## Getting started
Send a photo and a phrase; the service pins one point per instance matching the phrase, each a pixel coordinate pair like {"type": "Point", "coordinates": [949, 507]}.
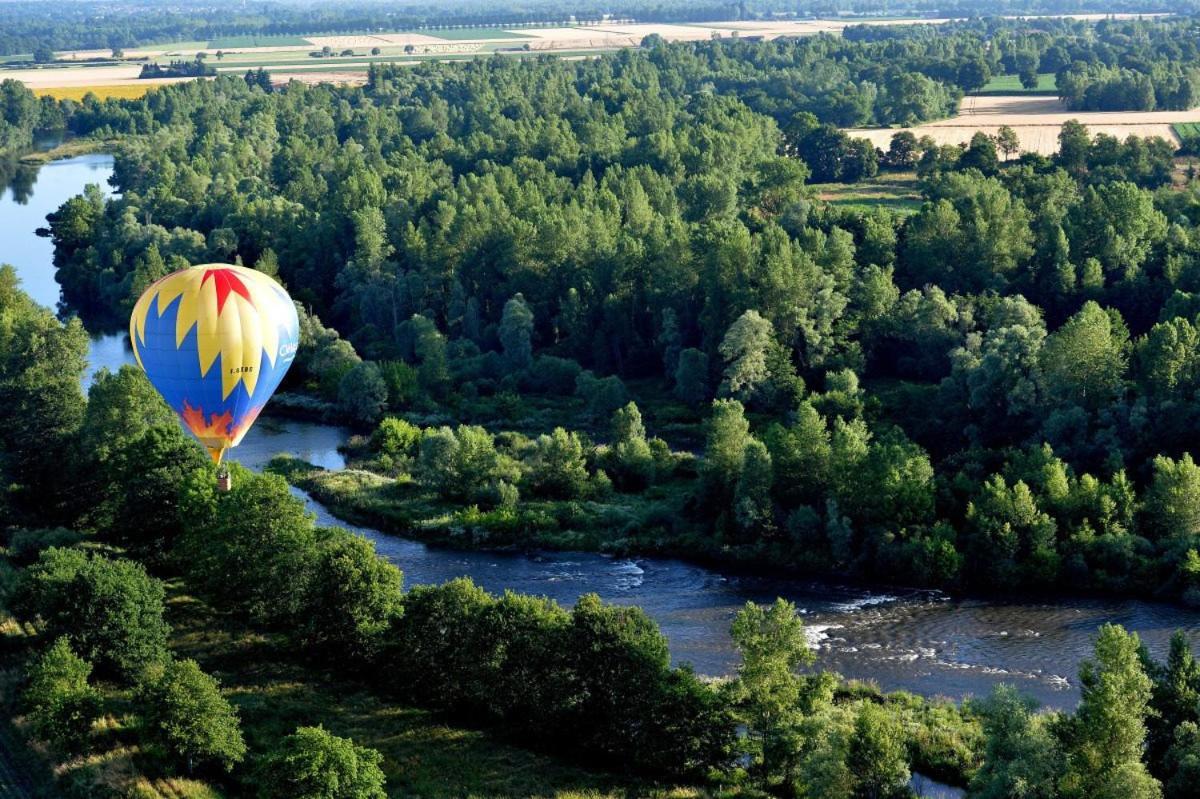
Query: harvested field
{"type": "Point", "coordinates": [1036, 120]}
{"type": "Point", "coordinates": [122, 91]}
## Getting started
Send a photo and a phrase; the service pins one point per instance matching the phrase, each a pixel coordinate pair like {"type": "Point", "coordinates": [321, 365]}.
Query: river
{"type": "Point", "coordinates": [915, 640]}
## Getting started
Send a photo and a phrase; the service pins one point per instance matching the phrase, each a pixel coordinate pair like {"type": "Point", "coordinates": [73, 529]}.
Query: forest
{"type": "Point", "coordinates": [117, 536]}
{"type": "Point", "coordinates": [996, 390]}
{"type": "Point", "coordinates": [599, 304]}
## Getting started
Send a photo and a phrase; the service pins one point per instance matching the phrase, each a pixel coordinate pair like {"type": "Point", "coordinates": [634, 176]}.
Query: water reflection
{"type": "Point", "coordinates": [17, 179]}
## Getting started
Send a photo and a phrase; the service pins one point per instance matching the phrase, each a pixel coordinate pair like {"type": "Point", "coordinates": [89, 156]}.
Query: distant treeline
{"type": "Point", "coordinates": [26, 25]}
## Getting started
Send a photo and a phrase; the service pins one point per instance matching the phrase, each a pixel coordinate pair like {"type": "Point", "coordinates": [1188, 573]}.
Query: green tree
{"type": "Point", "coordinates": [41, 365]}
{"type": "Point", "coordinates": [768, 691]}
{"type": "Point", "coordinates": [110, 611]}
{"type": "Point", "coordinates": [516, 331]}
{"type": "Point", "coordinates": [314, 764]}
{"type": "Point", "coordinates": [632, 463]}
{"type": "Point", "coordinates": [185, 715]}
{"type": "Point", "coordinates": [557, 466]}
{"type": "Point", "coordinates": [1172, 505]}
{"type": "Point", "coordinates": [1108, 732]}
{"type": "Point", "coordinates": [691, 377]}
{"type": "Point", "coordinates": [251, 546]}
{"type": "Point", "coordinates": [1021, 757]}
{"type": "Point", "coordinates": [744, 350]}
{"type": "Point", "coordinates": [352, 597]}
{"type": "Point", "coordinates": [1084, 361]}
{"type": "Point", "coordinates": [462, 463]}
{"type": "Point", "coordinates": [1007, 141]}
{"type": "Point", "coordinates": [753, 510]}
{"type": "Point", "coordinates": [362, 393]}
{"type": "Point", "coordinates": [61, 704]}
{"type": "Point", "coordinates": [725, 448]}
{"type": "Point", "coordinates": [877, 755]}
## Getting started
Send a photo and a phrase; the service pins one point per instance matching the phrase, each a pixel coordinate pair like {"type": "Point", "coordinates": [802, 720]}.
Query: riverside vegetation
{"type": "Point", "coordinates": [146, 565]}
{"type": "Point", "coordinates": [997, 389]}
{"type": "Point", "coordinates": [595, 303]}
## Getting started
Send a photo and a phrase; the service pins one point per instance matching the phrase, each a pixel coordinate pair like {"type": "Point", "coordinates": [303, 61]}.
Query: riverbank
{"type": "Point", "coordinates": [70, 148]}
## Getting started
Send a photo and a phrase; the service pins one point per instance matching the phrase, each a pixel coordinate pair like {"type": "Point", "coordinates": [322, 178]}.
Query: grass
{"type": "Point", "coordinates": [1011, 84]}
{"type": "Point", "coordinates": [68, 149]}
{"type": "Point", "coordinates": [895, 191]}
{"type": "Point", "coordinates": [1187, 130]}
{"type": "Point", "coordinates": [120, 91]}
{"type": "Point", "coordinates": [225, 42]}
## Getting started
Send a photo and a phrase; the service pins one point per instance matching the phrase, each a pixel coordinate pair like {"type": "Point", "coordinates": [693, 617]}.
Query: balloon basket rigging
{"type": "Point", "coordinates": [224, 481]}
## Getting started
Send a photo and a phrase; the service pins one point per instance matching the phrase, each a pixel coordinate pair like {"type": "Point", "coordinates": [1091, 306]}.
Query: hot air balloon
{"type": "Point", "coordinates": [215, 340]}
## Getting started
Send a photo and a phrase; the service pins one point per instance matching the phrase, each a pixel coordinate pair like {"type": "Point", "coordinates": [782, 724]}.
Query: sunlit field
{"type": "Point", "coordinates": [121, 91]}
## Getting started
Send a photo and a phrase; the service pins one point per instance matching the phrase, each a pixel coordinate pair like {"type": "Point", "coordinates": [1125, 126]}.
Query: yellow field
{"type": "Point", "coordinates": [123, 91]}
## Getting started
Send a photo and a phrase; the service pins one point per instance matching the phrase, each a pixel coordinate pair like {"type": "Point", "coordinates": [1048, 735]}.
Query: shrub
{"type": "Point", "coordinates": [25, 545]}
{"type": "Point", "coordinates": [351, 598]}
{"type": "Point", "coordinates": [60, 703]}
{"type": "Point", "coordinates": [110, 611]}
{"type": "Point", "coordinates": [557, 466]}
{"type": "Point", "coordinates": [185, 716]}
{"type": "Point", "coordinates": [313, 764]}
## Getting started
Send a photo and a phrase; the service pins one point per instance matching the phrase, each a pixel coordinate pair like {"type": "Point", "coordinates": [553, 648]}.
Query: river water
{"type": "Point", "coordinates": [916, 640]}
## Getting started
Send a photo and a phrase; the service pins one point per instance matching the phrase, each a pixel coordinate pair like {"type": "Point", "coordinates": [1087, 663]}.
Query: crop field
{"type": "Point", "coordinates": [1037, 121]}
{"type": "Point", "coordinates": [474, 34]}
{"type": "Point", "coordinates": [121, 91]}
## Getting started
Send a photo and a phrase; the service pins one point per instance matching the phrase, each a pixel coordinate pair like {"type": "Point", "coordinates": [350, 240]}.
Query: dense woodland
{"type": "Point", "coordinates": [598, 303]}
{"type": "Point", "coordinates": [138, 514]}
{"type": "Point", "coordinates": [996, 390]}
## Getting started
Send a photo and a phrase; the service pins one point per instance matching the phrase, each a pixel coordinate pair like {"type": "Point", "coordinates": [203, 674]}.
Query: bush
{"type": "Point", "coordinates": [250, 546]}
{"type": "Point", "coordinates": [25, 546]}
{"type": "Point", "coordinates": [185, 716]}
{"type": "Point", "coordinates": [351, 599]}
{"type": "Point", "coordinates": [558, 466]}
{"type": "Point", "coordinates": [313, 764]}
{"type": "Point", "coordinates": [396, 438]}
{"type": "Point", "coordinates": [110, 611]}
{"type": "Point", "coordinates": [551, 375]}
{"type": "Point", "coordinates": [60, 703]}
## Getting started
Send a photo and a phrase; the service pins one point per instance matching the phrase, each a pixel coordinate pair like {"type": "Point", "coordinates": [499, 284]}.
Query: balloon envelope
{"type": "Point", "coordinates": [215, 340]}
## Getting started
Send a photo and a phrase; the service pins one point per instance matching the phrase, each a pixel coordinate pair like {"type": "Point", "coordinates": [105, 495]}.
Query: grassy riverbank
{"type": "Point", "coordinates": [71, 148]}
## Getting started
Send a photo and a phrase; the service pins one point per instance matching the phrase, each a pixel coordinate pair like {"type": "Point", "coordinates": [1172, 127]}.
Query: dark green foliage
{"type": "Point", "coordinates": [109, 611]}
{"type": "Point", "coordinates": [60, 702]}
{"type": "Point", "coordinates": [350, 600]}
{"type": "Point", "coordinates": [313, 764]}
{"type": "Point", "coordinates": [595, 682]}
{"type": "Point", "coordinates": [185, 716]}
{"type": "Point", "coordinates": [251, 546]}
{"type": "Point", "coordinates": [41, 363]}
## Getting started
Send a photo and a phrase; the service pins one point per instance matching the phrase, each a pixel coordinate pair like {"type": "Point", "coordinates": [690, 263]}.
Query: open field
{"type": "Point", "coordinates": [1036, 120]}
{"type": "Point", "coordinates": [123, 91]}
{"type": "Point", "coordinates": [253, 41]}
{"type": "Point", "coordinates": [271, 52]}
{"type": "Point", "coordinates": [895, 191]}
{"type": "Point", "coordinates": [1011, 84]}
